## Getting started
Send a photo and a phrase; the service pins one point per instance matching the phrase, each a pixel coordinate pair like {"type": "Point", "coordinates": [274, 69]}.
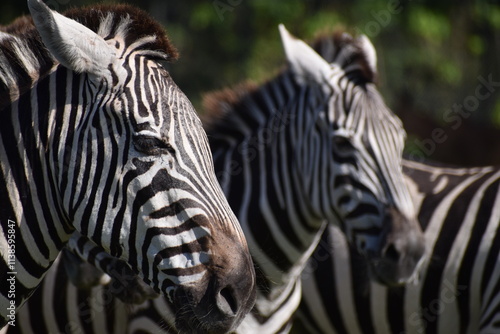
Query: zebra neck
{"type": "Point", "coordinates": [255, 161]}
{"type": "Point", "coordinates": [30, 107]}
{"type": "Point", "coordinates": [259, 130]}
{"type": "Point", "coordinates": [29, 192]}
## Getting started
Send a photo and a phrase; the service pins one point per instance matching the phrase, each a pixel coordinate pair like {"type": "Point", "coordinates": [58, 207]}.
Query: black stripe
{"type": "Point", "coordinates": [361, 285]}
{"type": "Point", "coordinates": [115, 246]}
{"type": "Point", "coordinates": [21, 183]}
{"type": "Point", "coordinates": [465, 272]}
{"type": "Point", "coordinates": [70, 135]}
{"type": "Point", "coordinates": [36, 319]}
{"type": "Point", "coordinates": [489, 268]}
{"type": "Point", "coordinates": [75, 102]}
{"type": "Point", "coordinates": [396, 313]}
{"type": "Point", "coordinates": [328, 283]}
{"type": "Point", "coordinates": [85, 178]}
{"type": "Point", "coordinates": [104, 200]}
{"type": "Point", "coordinates": [60, 288]}
{"type": "Point", "coordinates": [446, 238]}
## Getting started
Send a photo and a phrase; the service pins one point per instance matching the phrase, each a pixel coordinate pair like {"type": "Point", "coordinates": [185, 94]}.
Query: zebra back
{"type": "Point", "coordinates": [457, 290]}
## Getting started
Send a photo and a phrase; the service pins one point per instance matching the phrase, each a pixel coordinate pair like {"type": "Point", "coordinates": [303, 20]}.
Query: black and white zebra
{"type": "Point", "coordinates": [314, 143]}
{"type": "Point", "coordinates": [458, 290]}
{"type": "Point", "coordinates": [96, 137]}
{"type": "Point", "coordinates": [317, 142]}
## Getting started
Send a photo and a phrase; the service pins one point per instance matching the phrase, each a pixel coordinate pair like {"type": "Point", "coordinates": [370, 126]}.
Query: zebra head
{"type": "Point", "coordinates": [132, 164]}
{"type": "Point", "coordinates": [353, 144]}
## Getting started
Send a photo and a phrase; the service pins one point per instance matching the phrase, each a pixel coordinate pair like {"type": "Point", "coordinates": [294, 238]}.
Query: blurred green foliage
{"type": "Point", "coordinates": [430, 54]}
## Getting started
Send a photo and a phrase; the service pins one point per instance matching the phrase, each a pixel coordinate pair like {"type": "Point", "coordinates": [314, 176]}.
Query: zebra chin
{"type": "Point", "coordinates": [400, 253]}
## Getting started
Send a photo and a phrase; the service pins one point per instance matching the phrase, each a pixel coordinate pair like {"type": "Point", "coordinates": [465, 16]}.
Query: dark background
{"type": "Point", "coordinates": [433, 58]}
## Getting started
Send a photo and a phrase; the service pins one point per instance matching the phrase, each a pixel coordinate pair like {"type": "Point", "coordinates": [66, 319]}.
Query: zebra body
{"type": "Point", "coordinates": [291, 154]}
{"type": "Point", "coordinates": [458, 290]}
{"type": "Point", "coordinates": [96, 137]}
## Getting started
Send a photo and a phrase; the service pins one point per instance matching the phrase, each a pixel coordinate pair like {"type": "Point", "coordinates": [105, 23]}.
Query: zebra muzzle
{"type": "Point", "coordinates": [219, 302]}
{"type": "Point", "coordinates": [401, 251]}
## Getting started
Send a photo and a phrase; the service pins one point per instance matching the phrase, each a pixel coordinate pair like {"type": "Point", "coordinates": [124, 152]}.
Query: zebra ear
{"type": "Point", "coordinates": [71, 43]}
{"type": "Point", "coordinates": [369, 52]}
{"type": "Point", "coordinates": [305, 63]}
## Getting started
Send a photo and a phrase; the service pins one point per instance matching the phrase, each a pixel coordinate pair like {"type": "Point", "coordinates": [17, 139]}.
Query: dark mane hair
{"type": "Point", "coordinates": [218, 104]}
{"type": "Point", "coordinates": [337, 47]}
{"type": "Point", "coordinates": [19, 26]}
{"type": "Point", "coordinates": [141, 25]}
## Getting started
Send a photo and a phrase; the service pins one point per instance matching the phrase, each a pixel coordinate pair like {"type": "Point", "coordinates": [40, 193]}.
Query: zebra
{"type": "Point", "coordinates": [97, 138]}
{"type": "Point", "coordinates": [290, 154]}
{"type": "Point", "coordinates": [458, 290]}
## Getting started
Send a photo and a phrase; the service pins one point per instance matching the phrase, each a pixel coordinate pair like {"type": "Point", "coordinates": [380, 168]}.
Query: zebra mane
{"type": "Point", "coordinates": [108, 21]}
{"type": "Point", "coordinates": [25, 60]}
{"type": "Point", "coordinates": [222, 108]}
{"type": "Point", "coordinates": [128, 22]}
{"type": "Point", "coordinates": [219, 105]}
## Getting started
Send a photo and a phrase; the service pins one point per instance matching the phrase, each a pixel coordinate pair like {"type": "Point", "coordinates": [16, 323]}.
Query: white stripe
{"type": "Point", "coordinates": [184, 260]}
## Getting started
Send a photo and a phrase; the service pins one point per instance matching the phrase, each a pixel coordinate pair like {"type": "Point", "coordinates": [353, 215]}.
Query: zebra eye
{"type": "Point", "coordinates": [152, 145]}
{"type": "Point", "coordinates": [343, 144]}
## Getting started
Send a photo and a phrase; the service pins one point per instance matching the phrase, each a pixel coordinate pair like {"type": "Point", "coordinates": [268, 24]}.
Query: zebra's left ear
{"type": "Point", "coordinates": [71, 43]}
{"type": "Point", "coordinates": [305, 63]}
{"type": "Point", "coordinates": [369, 51]}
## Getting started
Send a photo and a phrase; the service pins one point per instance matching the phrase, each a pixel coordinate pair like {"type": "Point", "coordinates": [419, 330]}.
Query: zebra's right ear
{"type": "Point", "coordinates": [304, 62]}
{"type": "Point", "coordinates": [71, 43]}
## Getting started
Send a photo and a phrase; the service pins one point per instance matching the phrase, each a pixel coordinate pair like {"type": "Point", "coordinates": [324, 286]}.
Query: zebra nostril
{"type": "Point", "coordinates": [226, 302]}
{"type": "Point", "coordinates": [392, 253]}
{"type": "Point", "coordinates": [362, 246]}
